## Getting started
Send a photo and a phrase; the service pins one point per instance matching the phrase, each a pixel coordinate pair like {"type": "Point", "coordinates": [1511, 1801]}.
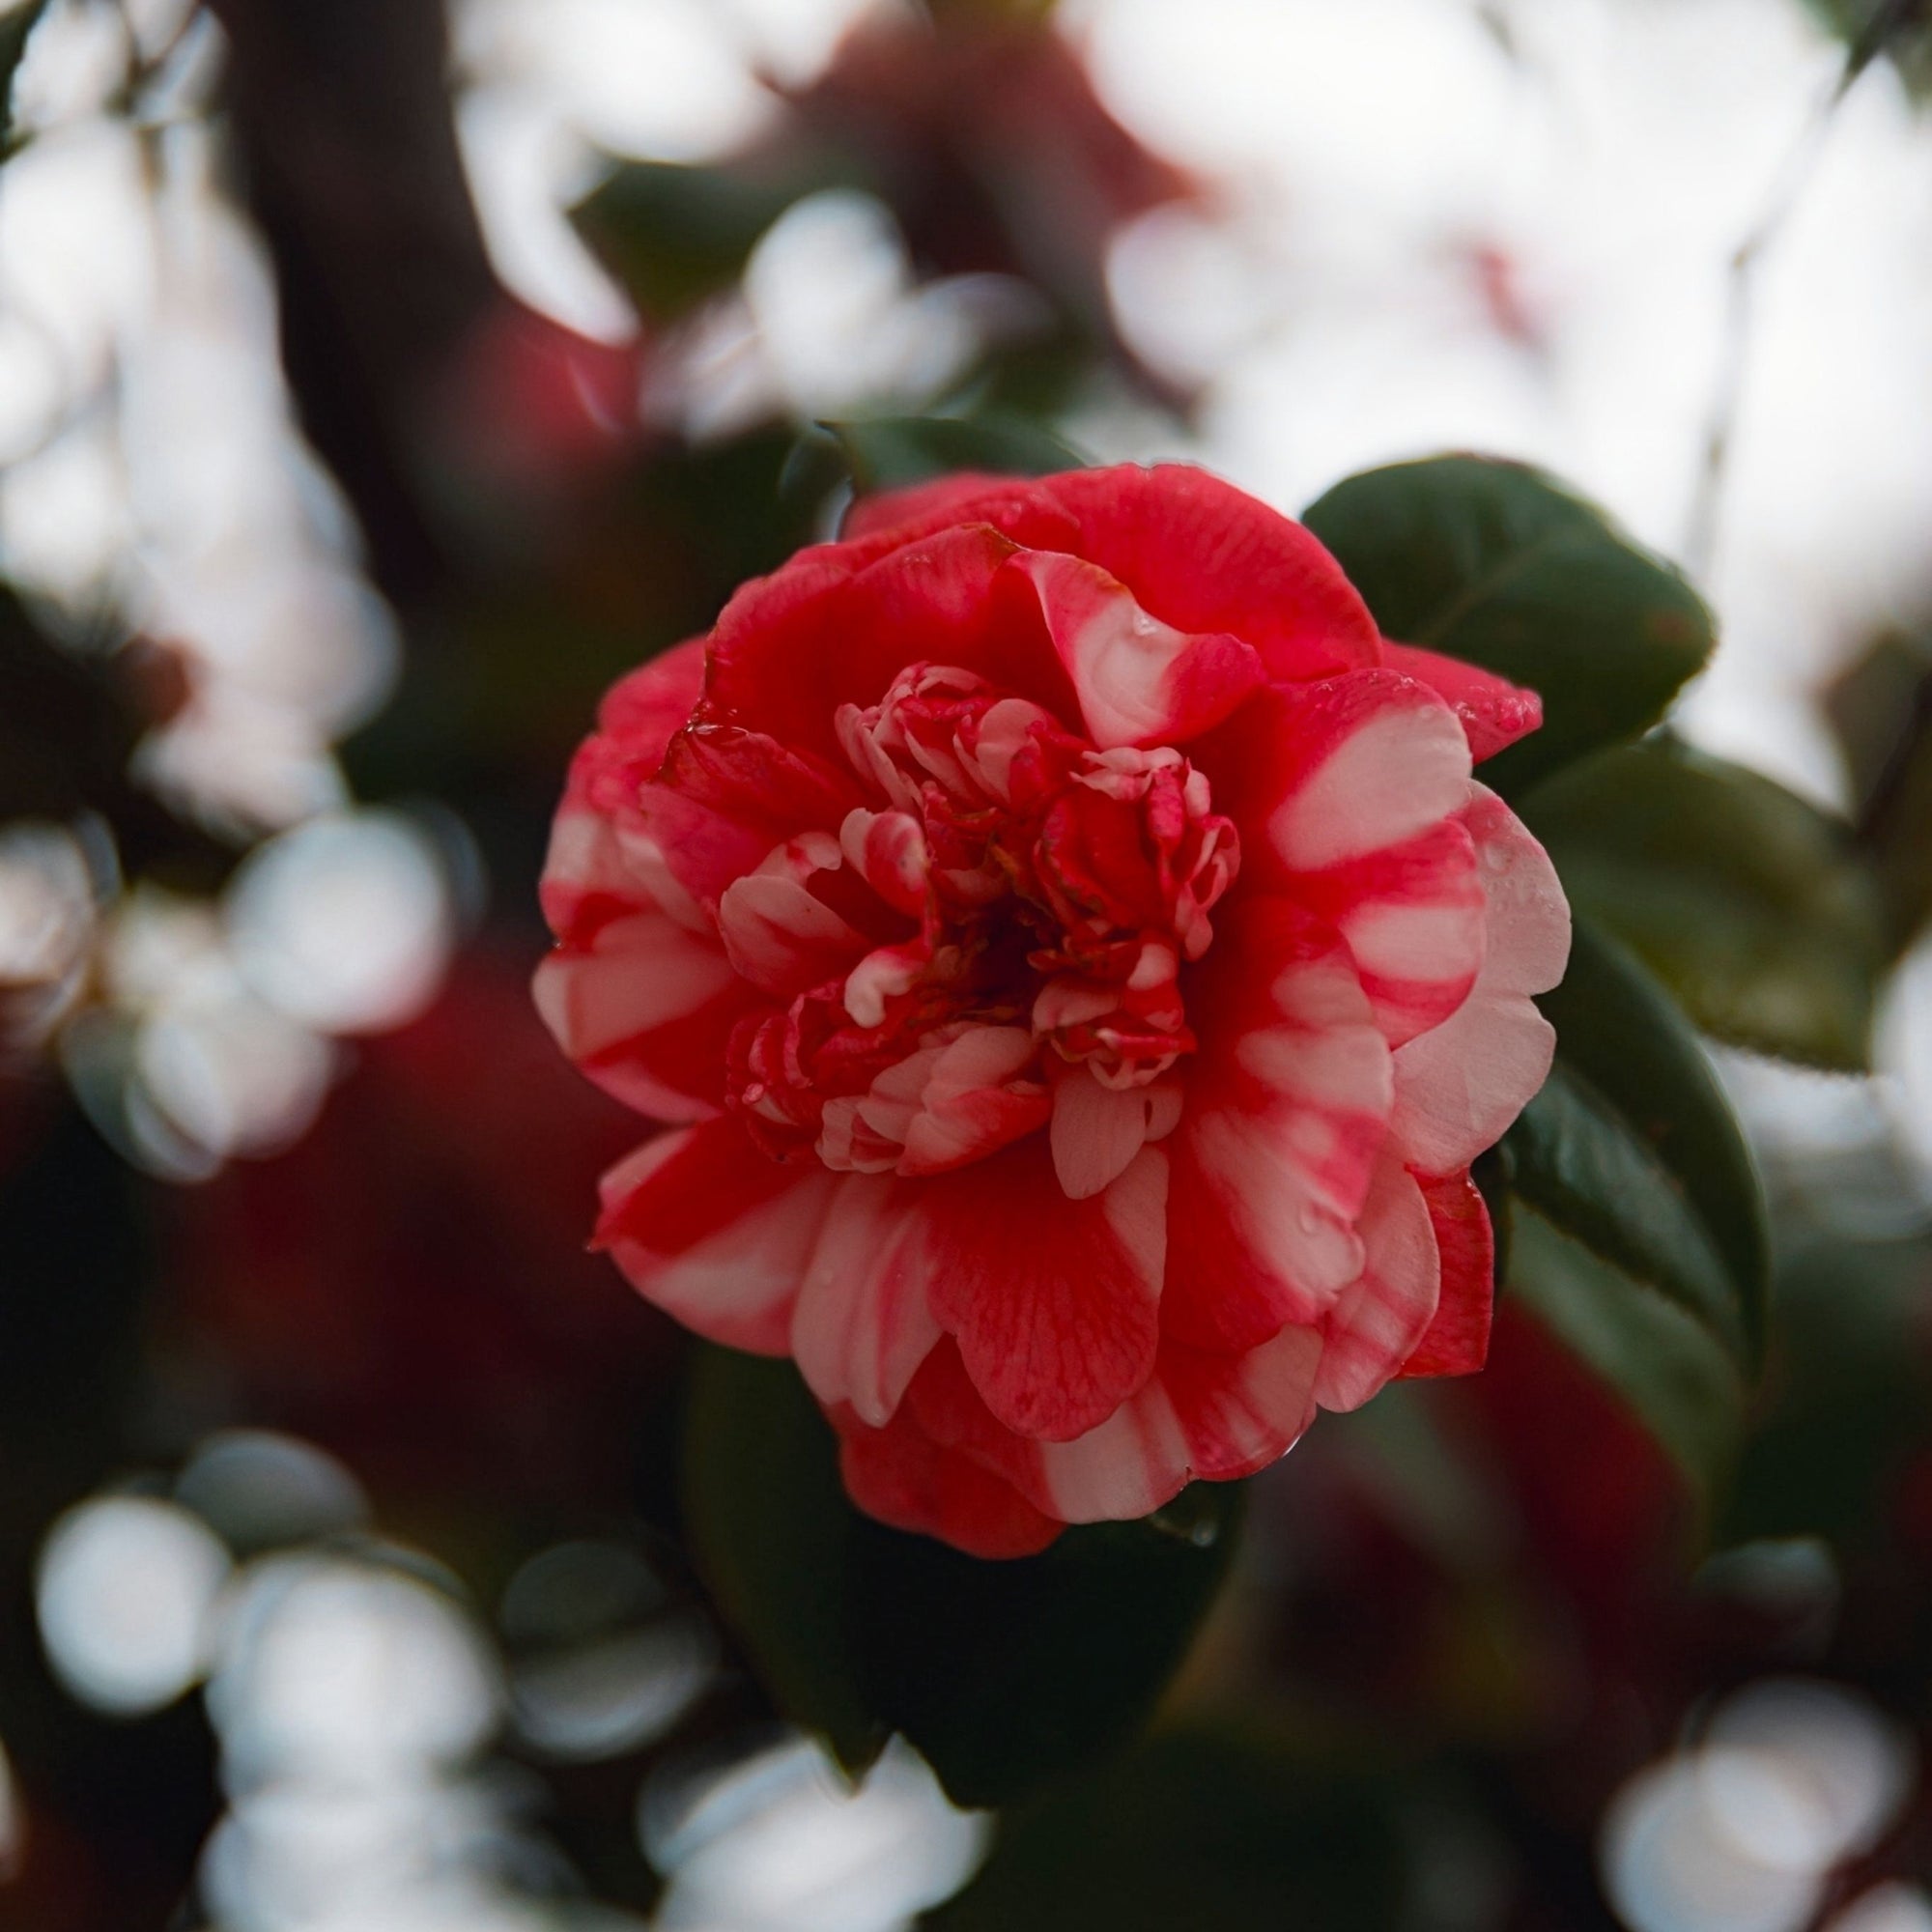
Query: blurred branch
{"type": "Point", "coordinates": [342, 116]}
{"type": "Point", "coordinates": [1793, 177]}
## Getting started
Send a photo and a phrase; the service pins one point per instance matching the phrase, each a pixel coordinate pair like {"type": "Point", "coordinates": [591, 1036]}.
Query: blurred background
{"type": "Point", "coordinates": [381, 378]}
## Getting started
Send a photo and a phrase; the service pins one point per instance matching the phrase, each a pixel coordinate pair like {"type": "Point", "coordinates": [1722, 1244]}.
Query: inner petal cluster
{"type": "Point", "coordinates": [992, 944]}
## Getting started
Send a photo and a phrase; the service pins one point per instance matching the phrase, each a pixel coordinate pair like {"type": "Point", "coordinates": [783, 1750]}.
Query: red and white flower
{"type": "Point", "coordinates": [1081, 968]}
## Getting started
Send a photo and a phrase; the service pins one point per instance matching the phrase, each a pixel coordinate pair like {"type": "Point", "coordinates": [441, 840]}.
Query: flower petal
{"type": "Point", "coordinates": [1287, 1109]}
{"type": "Point", "coordinates": [1139, 681]}
{"type": "Point", "coordinates": [1459, 1085]}
{"type": "Point", "coordinates": [862, 1323]}
{"type": "Point", "coordinates": [1380, 1316]}
{"type": "Point", "coordinates": [1495, 712]}
{"type": "Point", "coordinates": [715, 1233]}
{"type": "Point", "coordinates": [1415, 922]}
{"type": "Point", "coordinates": [601, 862]}
{"type": "Point", "coordinates": [1054, 1302]}
{"type": "Point", "coordinates": [901, 1476]}
{"type": "Point", "coordinates": [777, 933]}
{"type": "Point", "coordinates": [1201, 1414]}
{"type": "Point", "coordinates": [1195, 552]}
{"type": "Point", "coordinates": [1456, 1340]}
{"type": "Point", "coordinates": [1368, 761]}
{"type": "Point", "coordinates": [646, 1009]}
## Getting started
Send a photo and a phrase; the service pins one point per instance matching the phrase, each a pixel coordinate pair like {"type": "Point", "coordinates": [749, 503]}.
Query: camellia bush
{"type": "Point", "coordinates": [778, 1152]}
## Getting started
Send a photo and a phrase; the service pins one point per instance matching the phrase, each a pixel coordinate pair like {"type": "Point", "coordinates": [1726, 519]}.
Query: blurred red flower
{"type": "Point", "coordinates": [1088, 968]}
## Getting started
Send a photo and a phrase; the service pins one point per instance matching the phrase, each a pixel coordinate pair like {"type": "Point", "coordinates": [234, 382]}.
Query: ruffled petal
{"type": "Point", "coordinates": [1415, 922]}
{"type": "Point", "coordinates": [1457, 1341]}
{"type": "Point", "coordinates": [1139, 680]}
{"type": "Point", "coordinates": [1054, 1303]}
{"type": "Point", "coordinates": [864, 1323]}
{"type": "Point", "coordinates": [645, 1007]}
{"type": "Point", "coordinates": [1200, 1414]}
{"type": "Point", "coordinates": [1287, 1109]}
{"type": "Point", "coordinates": [1195, 552]}
{"type": "Point", "coordinates": [602, 863]}
{"type": "Point", "coordinates": [1380, 1316]}
{"type": "Point", "coordinates": [930, 601]}
{"type": "Point", "coordinates": [1459, 1085]}
{"type": "Point", "coordinates": [900, 1475]}
{"type": "Point", "coordinates": [1495, 712]}
{"type": "Point", "coordinates": [715, 1233]}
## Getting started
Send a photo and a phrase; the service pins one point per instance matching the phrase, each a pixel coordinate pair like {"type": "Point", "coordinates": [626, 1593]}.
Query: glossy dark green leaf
{"type": "Point", "coordinates": [1632, 1153]}
{"type": "Point", "coordinates": [1495, 563]}
{"type": "Point", "coordinates": [1197, 1829]}
{"type": "Point", "coordinates": [1677, 1377]}
{"type": "Point", "coordinates": [1880, 709]}
{"type": "Point", "coordinates": [1752, 905]}
{"type": "Point", "coordinates": [1582, 1163]}
{"type": "Point", "coordinates": [1003, 1675]}
{"type": "Point", "coordinates": [674, 235]}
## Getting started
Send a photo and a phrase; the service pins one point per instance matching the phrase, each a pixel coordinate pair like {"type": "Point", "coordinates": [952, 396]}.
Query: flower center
{"type": "Point", "coordinates": [1019, 905]}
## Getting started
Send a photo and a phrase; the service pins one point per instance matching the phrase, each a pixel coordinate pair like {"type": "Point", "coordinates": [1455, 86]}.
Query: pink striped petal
{"type": "Point", "coordinates": [902, 1477]}
{"type": "Point", "coordinates": [1054, 1303]}
{"type": "Point", "coordinates": [1139, 681]}
{"type": "Point", "coordinates": [1460, 1084]}
{"type": "Point", "coordinates": [1287, 1109]}
{"type": "Point", "coordinates": [1457, 1341]}
{"type": "Point", "coordinates": [1195, 552]}
{"type": "Point", "coordinates": [1097, 1131]}
{"type": "Point", "coordinates": [1380, 1316]}
{"type": "Point", "coordinates": [862, 1323]}
{"type": "Point", "coordinates": [646, 1009]}
{"type": "Point", "coordinates": [777, 933]}
{"type": "Point", "coordinates": [714, 1232]}
{"type": "Point", "coordinates": [1200, 1414]}
{"type": "Point", "coordinates": [974, 1101]}
{"type": "Point", "coordinates": [1415, 919]}
{"type": "Point", "coordinates": [600, 862]}
{"type": "Point", "coordinates": [1494, 713]}
{"type": "Point", "coordinates": [1370, 762]}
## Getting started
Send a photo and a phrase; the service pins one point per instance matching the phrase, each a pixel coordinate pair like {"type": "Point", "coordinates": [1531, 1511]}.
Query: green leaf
{"type": "Point", "coordinates": [1592, 1172]}
{"type": "Point", "coordinates": [16, 27]}
{"type": "Point", "coordinates": [1676, 1377]}
{"type": "Point", "coordinates": [675, 234]}
{"type": "Point", "coordinates": [1632, 1153]}
{"type": "Point", "coordinates": [889, 452]}
{"type": "Point", "coordinates": [1003, 1675]}
{"type": "Point", "coordinates": [1880, 709]}
{"type": "Point", "coordinates": [1498, 565]}
{"type": "Point", "coordinates": [1749, 904]}
{"type": "Point", "coordinates": [1198, 1830]}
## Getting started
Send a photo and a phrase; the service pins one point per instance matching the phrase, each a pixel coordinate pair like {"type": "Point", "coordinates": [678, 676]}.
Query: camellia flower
{"type": "Point", "coordinates": [1085, 968]}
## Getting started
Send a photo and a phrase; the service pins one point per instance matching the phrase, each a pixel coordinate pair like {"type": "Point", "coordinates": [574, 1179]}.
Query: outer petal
{"type": "Point", "coordinates": [1054, 1302]}
{"type": "Point", "coordinates": [1196, 553]}
{"type": "Point", "coordinates": [714, 1232]}
{"type": "Point", "coordinates": [1287, 1109]}
{"type": "Point", "coordinates": [1494, 711]}
{"type": "Point", "coordinates": [1139, 681]}
{"type": "Point", "coordinates": [645, 1007]}
{"type": "Point", "coordinates": [727, 796]}
{"type": "Point", "coordinates": [1457, 1341]}
{"type": "Point", "coordinates": [602, 863]}
{"type": "Point", "coordinates": [1200, 1414]}
{"type": "Point", "coordinates": [864, 1323]}
{"type": "Point", "coordinates": [785, 669]}
{"type": "Point", "coordinates": [1459, 1085]}
{"type": "Point", "coordinates": [1379, 1317]}
{"type": "Point", "coordinates": [1415, 919]}
{"type": "Point", "coordinates": [901, 1476]}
